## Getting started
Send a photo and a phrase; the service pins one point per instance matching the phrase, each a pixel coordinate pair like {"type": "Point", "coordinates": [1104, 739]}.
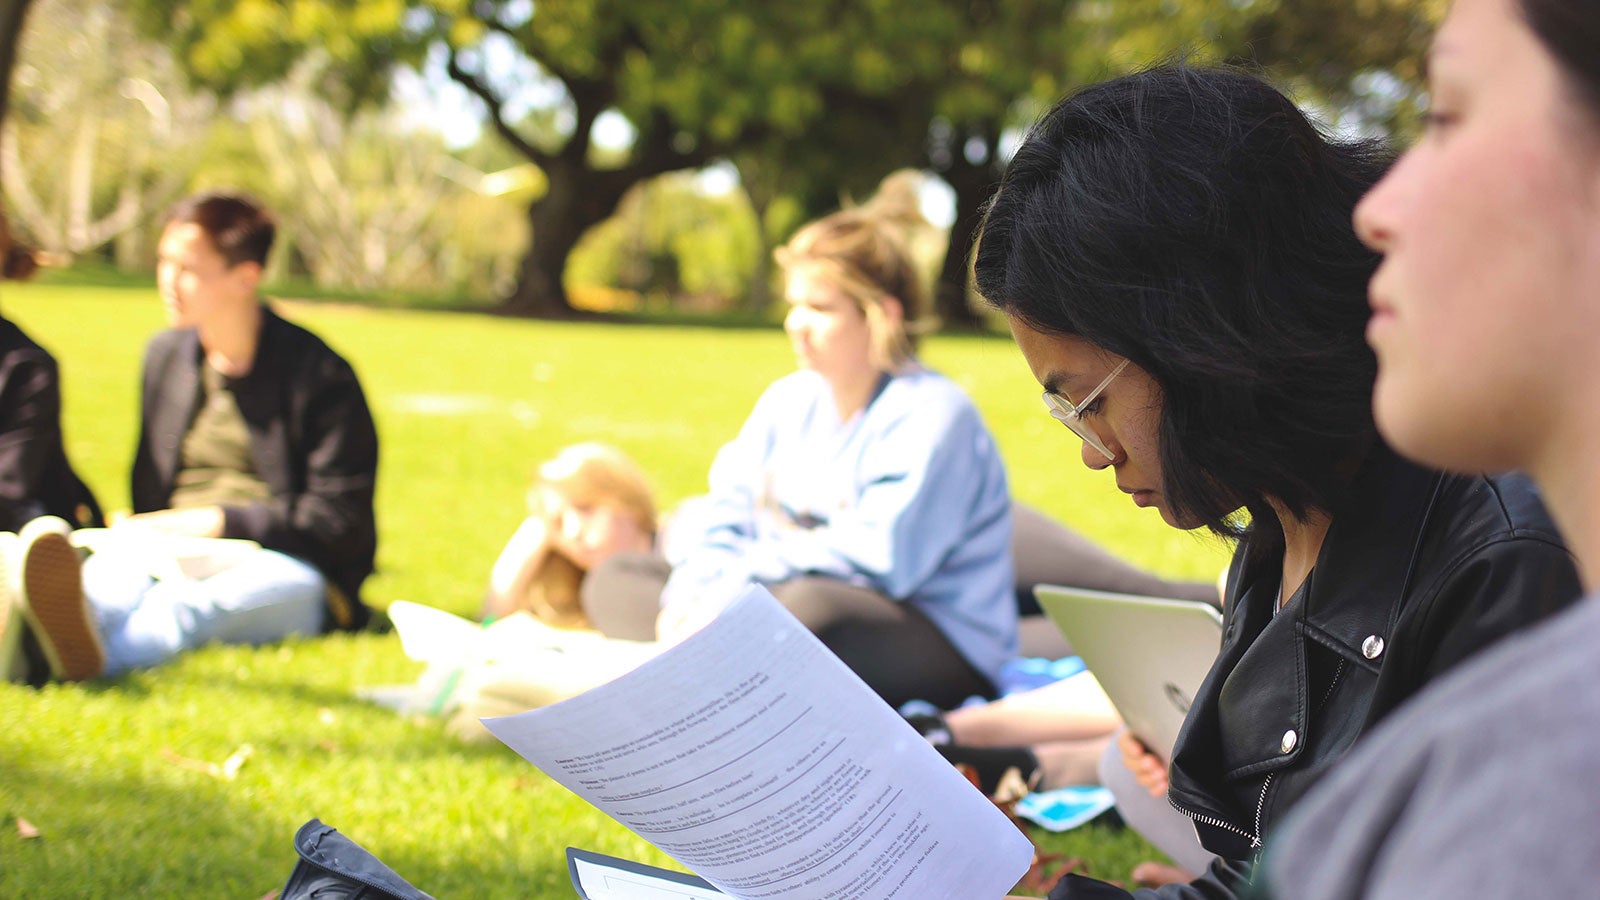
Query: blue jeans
{"type": "Point", "coordinates": [143, 620]}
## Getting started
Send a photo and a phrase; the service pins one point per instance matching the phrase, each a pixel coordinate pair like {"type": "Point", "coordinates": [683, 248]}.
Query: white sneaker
{"type": "Point", "coordinates": [53, 602]}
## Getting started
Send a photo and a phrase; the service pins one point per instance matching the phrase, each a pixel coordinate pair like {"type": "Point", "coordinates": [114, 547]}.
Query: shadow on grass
{"type": "Point", "coordinates": [111, 836]}
{"type": "Point", "coordinates": [103, 835]}
{"type": "Point", "coordinates": [136, 807]}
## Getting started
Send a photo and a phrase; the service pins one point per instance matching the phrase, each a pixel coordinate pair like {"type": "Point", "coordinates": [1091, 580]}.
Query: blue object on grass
{"type": "Point", "coordinates": [1031, 672]}
{"type": "Point", "coordinates": [1019, 675]}
{"type": "Point", "coordinates": [1065, 808]}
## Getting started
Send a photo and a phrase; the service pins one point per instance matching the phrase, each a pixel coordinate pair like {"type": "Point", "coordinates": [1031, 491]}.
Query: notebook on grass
{"type": "Point", "coordinates": [1148, 653]}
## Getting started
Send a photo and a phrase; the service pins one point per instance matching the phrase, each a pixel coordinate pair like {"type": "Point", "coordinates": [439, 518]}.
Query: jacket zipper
{"type": "Point", "coordinates": [1255, 842]}
{"type": "Point", "coordinates": [1261, 804]}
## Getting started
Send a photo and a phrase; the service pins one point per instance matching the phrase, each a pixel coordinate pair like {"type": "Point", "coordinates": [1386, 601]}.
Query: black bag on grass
{"type": "Point", "coordinates": [333, 867]}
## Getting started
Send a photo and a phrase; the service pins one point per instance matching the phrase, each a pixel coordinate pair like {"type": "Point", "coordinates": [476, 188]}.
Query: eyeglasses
{"type": "Point", "coordinates": [1071, 415]}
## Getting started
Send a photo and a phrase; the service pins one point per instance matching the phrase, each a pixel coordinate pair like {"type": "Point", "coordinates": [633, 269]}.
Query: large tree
{"type": "Point", "coordinates": [811, 100]}
{"type": "Point", "coordinates": [696, 80]}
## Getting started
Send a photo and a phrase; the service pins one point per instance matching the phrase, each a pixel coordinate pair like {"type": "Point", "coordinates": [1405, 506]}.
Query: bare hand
{"type": "Point", "coordinates": [195, 521]}
{"type": "Point", "coordinates": [1146, 767]}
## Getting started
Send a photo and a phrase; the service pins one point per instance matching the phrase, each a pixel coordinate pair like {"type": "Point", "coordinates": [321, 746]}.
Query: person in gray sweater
{"type": "Point", "coordinates": [1486, 322]}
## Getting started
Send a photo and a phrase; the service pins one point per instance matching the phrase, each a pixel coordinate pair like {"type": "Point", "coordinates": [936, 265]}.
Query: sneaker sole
{"type": "Point", "coordinates": [53, 586]}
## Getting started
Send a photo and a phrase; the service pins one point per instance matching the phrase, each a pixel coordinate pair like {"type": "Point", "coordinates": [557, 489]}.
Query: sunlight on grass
{"type": "Point", "coordinates": [466, 405]}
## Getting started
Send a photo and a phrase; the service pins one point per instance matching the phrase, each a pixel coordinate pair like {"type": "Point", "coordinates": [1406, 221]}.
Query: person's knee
{"type": "Point", "coordinates": [814, 601]}
{"type": "Point", "coordinates": [306, 580]}
{"type": "Point", "coordinates": [622, 595]}
{"type": "Point", "coordinates": [622, 565]}
{"type": "Point", "coordinates": [299, 584]}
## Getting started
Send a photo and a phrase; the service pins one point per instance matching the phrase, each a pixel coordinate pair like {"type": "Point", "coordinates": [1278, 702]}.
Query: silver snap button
{"type": "Point", "coordinates": [1372, 647]}
{"type": "Point", "coordinates": [1289, 740]}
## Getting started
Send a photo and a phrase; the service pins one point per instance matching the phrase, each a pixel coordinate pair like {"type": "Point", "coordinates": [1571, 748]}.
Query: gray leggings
{"type": "Point", "coordinates": [1170, 831]}
{"type": "Point", "coordinates": [895, 649]}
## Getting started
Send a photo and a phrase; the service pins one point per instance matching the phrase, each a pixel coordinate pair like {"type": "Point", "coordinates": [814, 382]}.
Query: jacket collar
{"type": "Point", "coordinates": [181, 386]}
{"type": "Point", "coordinates": [1355, 592]}
{"type": "Point", "coordinates": [1367, 559]}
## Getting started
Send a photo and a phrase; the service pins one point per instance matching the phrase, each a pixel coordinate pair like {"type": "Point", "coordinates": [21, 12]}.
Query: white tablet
{"type": "Point", "coordinates": [1149, 654]}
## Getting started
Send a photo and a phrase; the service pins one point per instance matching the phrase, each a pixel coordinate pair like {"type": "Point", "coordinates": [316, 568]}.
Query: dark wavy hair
{"type": "Point", "coordinates": [1570, 31]}
{"type": "Point", "coordinates": [238, 227]}
{"type": "Point", "coordinates": [1195, 222]}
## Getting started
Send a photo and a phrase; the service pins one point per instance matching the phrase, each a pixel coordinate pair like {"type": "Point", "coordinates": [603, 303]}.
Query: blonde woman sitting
{"type": "Point", "coordinates": [864, 489]}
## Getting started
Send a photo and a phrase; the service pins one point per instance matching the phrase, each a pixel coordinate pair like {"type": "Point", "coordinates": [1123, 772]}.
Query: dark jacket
{"type": "Point", "coordinates": [35, 477]}
{"type": "Point", "coordinates": [312, 441]}
{"type": "Point", "coordinates": [1418, 571]}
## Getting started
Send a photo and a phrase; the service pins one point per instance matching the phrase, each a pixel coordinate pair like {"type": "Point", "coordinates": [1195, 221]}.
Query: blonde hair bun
{"type": "Point", "coordinates": [864, 251]}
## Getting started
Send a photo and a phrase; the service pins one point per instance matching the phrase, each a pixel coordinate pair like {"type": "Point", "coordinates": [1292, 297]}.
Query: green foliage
{"type": "Point", "coordinates": [106, 136]}
{"type": "Point", "coordinates": [810, 101]}
{"type": "Point", "coordinates": [668, 240]}
{"type": "Point", "coordinates": [98, 130]}
{"type": "Point", "coordinates": [228, 45]}
{"type": "Point", "coordinates": [1359, 61]}
{"type": "Point", "coordinates": [115, 776]}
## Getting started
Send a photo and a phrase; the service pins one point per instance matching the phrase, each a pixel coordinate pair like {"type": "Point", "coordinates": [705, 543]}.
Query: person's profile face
{"type": "Point", "coordinates": [1125, 416]}
{"type": "Point", "coordinates": [591, 533]}
{"type": "Point", "coordinates": [194, 278]}
{"type": "Point", "coordinates": [827, 329]}
{"type": "Point", "coordinates": [1488, 228]}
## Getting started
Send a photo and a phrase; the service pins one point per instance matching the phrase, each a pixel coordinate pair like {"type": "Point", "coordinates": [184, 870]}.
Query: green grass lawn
{"type": "Point", "coordinates": [115, 775]}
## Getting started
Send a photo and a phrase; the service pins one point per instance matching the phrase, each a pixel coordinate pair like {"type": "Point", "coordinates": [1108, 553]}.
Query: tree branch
{"type": "Point", "coordinates": [24, 202]}
{"type": "Point", "coordinates": [12, 15]}
{"type": "Point", "coordinates": [496, 108]}
{"type": "Point", "coordinates": [590, 95]}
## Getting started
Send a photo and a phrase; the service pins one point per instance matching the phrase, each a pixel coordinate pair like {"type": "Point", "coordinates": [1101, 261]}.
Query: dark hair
{"type": "Point", "coordinates": [1570, 31]}
{"type": "Point", "coordinates": [236, 225]}
{"type": "Point", "coordinates": [1195, 222]}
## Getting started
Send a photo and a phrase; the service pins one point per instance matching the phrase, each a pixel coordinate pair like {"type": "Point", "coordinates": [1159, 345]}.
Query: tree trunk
{"type": "Point", "coordinates": [972, 185]}
{"type": "Point", "coordinates": [578, 199]}
{"type": "Point", "coordinates": [128, 249]}
{"type": "Point", "coordinates": [758, 297]}
{"type": "Point", "coordinates": [12, 13]}
{"type": "Point", "coordinates": [554, 231]}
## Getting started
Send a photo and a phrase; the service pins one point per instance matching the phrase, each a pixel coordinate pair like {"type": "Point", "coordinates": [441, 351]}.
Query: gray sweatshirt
{"type": "Point", "coordinates": [1487, 784]}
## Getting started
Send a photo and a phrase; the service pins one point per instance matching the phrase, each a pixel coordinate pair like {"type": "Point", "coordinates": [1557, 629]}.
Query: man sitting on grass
{"type": "Point", "coordinates": [252, 428]}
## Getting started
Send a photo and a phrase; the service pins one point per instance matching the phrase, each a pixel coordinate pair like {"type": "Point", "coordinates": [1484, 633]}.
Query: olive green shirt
{"type": "Point", "coordinates": [215, 468]}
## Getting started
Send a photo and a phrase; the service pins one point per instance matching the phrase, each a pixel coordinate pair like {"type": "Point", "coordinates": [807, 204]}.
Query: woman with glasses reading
{"type": "Point", "coordinates": [1174, 254]}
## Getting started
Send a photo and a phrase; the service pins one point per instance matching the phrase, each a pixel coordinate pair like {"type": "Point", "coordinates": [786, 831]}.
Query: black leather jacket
{"type": "Point", "coordinates": [35, 477]}
{"type": "Point", "coordinates": [312, 441]}
{"type": "Point", "coordinates": [1418, 570]}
